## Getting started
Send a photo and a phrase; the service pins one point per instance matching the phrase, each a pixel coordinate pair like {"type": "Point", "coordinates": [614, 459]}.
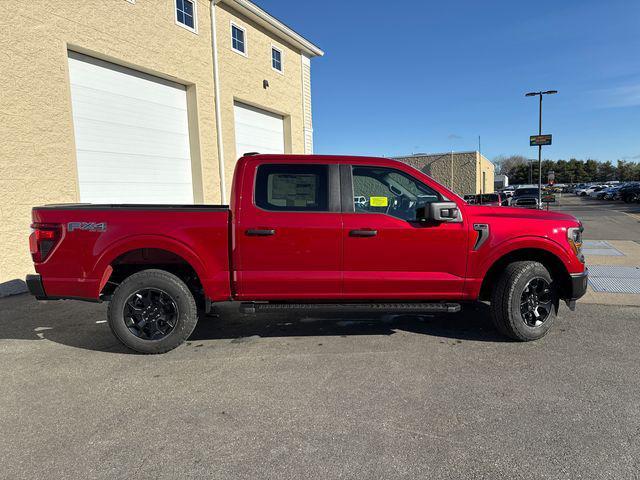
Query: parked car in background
{"type": "Point", "coordinates": [630, 193]}
{"type": "Point", "coordinates": [586, 191]}
{"type": "Point", "coordinates": [492, 199]}
{"type": "Point", "coordinates": [581, 187]}
{"type": "Point", "coordinates": [607, 193]}
{"type": "Point", "coordinates": [525, 196]}
{"type": "Point", "coordinates": [508, 191]}
{"type": "Point", "coordinates": [617, 192]}
{"type": "Point", "coordinates": [594, 191]}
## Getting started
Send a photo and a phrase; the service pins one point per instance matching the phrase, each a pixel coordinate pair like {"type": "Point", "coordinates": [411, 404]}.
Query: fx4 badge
{"type": "Point", "coordinates": [87, 226]}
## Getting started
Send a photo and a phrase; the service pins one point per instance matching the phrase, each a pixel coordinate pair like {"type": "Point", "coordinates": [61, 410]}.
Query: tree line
{"type": "Point", "coordinates": [520, 170]}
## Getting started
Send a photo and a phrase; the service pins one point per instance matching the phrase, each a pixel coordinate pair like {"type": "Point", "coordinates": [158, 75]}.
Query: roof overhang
{"type": "Point", "coordinates": [272, 24]}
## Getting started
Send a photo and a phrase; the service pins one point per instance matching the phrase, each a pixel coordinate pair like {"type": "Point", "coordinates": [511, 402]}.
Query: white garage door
{"type": "Point", "coordinates": [257, 130]}
{"type": "Point", "coordinates": [131, 133]}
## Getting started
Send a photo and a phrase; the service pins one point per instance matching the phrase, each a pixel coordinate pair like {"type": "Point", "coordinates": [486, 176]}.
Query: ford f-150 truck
{"type": "Point", "coordinates": [308, 232]}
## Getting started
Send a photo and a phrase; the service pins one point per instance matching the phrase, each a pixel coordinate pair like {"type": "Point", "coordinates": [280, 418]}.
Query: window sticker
{"type": "Point", "coordinates": [378, 201]}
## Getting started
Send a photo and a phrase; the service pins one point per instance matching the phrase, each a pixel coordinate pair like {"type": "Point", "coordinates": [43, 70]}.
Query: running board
{"type": "Point", "coordinates": [258, 307]}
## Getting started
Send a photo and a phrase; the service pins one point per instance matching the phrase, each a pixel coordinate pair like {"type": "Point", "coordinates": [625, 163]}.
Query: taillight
{"type": "Point", "coordinates": [42, 240]}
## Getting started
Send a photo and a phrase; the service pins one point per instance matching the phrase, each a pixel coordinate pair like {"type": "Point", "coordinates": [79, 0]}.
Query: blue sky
{"type": "Point", "coordinates": [403, 77]}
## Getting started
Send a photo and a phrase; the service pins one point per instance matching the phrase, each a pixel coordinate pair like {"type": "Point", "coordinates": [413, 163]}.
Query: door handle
{"type": "Point", "coordinates": [260, 232]}
{"type": "Point", "coordinates": [363, 233]}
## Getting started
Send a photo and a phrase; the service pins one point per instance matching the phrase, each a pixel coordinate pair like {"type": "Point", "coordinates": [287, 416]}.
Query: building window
{"type": "Point", "coordinates": [276, 59]}
{"type": "Point", "coordinates": [238, 39]}
{"type": "Point", "coordinates": [293, 188]}
{"type": "Point", "coordinates": [186, 14]}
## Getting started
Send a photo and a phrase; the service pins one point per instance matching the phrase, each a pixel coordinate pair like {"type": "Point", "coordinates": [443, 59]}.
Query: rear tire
{"type": "Point", "coordinates": [152, 311]}
{"type": "Point", "coordinates": [513, 301]}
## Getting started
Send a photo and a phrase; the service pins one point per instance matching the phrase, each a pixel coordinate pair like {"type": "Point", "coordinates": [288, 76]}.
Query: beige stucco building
{"type": "Point", "coordinates": [462, 172]}
{"type": "Point", "coordinates": [140, 101]}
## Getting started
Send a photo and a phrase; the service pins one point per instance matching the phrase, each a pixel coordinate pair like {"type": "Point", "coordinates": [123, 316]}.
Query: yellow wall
{"type": "Point", "coordinates": [459, 171]}
{"type": "Point", "coordinates": [37, 151]}
{"type": "Point", "coordinates": [241, 80]}
{"type": "Point", "coordinates": [488, 168]}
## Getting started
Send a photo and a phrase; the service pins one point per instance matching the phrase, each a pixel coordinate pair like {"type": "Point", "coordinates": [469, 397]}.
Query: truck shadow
{"type": "Point", "coordinates": [472, 323]}
{"type": "Point", "coordinates": [83, 325]}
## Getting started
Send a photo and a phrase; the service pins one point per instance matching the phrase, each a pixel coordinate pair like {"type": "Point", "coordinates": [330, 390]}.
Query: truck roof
{"type": "Point", "coordinates": [317, 158]}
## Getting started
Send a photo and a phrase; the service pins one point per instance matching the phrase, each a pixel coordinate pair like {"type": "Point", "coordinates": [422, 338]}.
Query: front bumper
{"type": "Point", "coordinates": [578, 287]}
{"type": "Point", "coordinates": [34, 284]}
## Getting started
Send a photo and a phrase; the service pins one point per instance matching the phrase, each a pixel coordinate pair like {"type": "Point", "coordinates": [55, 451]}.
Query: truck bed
{"type": "Point", "coordinates": [100, 237]}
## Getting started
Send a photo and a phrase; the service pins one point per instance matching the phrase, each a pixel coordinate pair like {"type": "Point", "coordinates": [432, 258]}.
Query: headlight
{"type": "Point", "coordinates": [574, 235]}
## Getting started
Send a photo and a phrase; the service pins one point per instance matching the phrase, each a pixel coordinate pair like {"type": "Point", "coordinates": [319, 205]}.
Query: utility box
{"type": "Point", "coordinates": [501, 181]}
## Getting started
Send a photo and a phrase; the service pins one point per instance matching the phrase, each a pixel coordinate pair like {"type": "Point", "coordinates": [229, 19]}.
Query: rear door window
{"type": "Point", "coordinates": [292, 188]}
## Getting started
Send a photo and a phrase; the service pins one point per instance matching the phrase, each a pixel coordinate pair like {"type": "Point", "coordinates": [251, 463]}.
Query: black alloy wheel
{"type": "Point", "coordinates": [536, 302]}
{"type": "Point", "coordinates": [524, 301]}
{"type": "Point", "coordinates": [150, 314]}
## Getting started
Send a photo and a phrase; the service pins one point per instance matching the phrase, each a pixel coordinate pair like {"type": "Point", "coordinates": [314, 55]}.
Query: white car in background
{"type": "Point", "coordinates": [583, 192]}
{"type": "Point", "coordinates": [593, 192]}
{"type": "Point", "coordinates": [507, 191]}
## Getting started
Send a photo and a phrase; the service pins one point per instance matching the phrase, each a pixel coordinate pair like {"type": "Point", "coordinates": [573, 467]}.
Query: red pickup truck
{"type": "Point", "coordinates": [308, 232]}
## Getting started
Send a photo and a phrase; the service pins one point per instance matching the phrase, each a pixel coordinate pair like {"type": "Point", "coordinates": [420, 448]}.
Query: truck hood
{"type": "Point", "coordinates": [519, 214]}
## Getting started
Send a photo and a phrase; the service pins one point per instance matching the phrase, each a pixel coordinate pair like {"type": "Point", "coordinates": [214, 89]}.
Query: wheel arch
{"type": "Point", "coordinates": [143, 252]}
{"type": "Point", "coordinates": [550, 260]}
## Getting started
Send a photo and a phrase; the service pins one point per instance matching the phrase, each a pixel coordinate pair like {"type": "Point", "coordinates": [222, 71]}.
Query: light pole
{"type": "Point", "coordinates": [531, 160]}
{"type": "Point", "coordinates": [540, 94]}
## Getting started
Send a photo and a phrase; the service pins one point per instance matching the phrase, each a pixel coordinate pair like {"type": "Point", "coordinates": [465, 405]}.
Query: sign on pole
{"type": "Point", "coordinates": [538, 140]}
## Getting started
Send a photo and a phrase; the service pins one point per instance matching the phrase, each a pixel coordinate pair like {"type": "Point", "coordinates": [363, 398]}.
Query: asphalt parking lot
{"type": "Point", "coordinates": [369, 396]}
{"type": "Point", "coordinates": [603, 220]}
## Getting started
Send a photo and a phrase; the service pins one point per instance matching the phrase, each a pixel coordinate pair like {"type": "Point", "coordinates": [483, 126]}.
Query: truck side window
{"type": "Point", "coordinates": [389, 191]}
{"type": "Point", "coordinates": [292, 188]}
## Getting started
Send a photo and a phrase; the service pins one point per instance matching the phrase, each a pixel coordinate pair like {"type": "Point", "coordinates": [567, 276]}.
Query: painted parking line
{"type": "Point", "coordinates": [632, 215]}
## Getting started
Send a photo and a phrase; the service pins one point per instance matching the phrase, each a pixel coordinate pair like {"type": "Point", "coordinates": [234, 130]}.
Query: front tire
{"type": "Point", "coordinates": [152, 311]}
{"type": "Point", "coordinates": [524, 302]}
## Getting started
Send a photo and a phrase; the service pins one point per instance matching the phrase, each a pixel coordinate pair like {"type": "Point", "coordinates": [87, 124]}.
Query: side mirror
{"type": "Point", "coordinates": [439, 212]}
